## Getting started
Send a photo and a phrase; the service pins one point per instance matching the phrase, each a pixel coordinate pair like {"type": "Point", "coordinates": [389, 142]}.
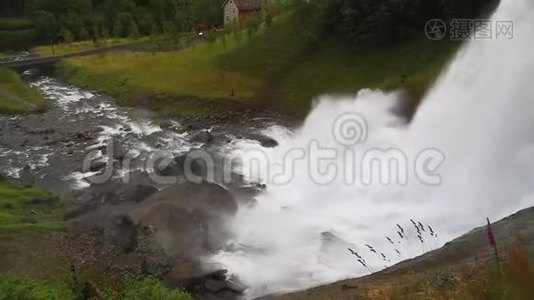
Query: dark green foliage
{"type": "Point", "coordinates": [133, 30]}
{"type": "Point", "coordinates": [50, 18]}
{"type": "Point", "coordinates": [145, 288]}
{"type": "Point", "coordinates": [18, 39]}
{"type": "Point", "coordinates": [12, 287]}
{"type": "Point", "coordinates": [15, 287]}
{"type": "Point", "coordinates": [390, 21]}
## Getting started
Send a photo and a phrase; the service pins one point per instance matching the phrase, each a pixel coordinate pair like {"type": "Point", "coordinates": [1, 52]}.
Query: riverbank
{"type": "Point", "coordinates": [112, 229]}
{"type": "Point", "coordinates": [276, 68]}
{"type": "Point", "coordinates": [464, 268]}
{"type": "Point", "coordinates": [16, 96]}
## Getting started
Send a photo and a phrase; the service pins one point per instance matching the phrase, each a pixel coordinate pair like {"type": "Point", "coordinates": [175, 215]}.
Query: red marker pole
{"type": "Point", "coordinates": [493, 243]}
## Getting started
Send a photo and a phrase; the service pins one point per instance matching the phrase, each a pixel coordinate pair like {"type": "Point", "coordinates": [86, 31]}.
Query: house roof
{"type": "Point", "coordinates": [247, 4]}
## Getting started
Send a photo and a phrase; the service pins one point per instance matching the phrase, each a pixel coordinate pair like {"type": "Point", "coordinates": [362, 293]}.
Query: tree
{"type": "Point", "coordinates": [104, 32]}
{"type": "Point", "coordinates": [113, 8]}
{"type": "Point", "coordinates": [154, 31]}
{"type": "Point", "coordinates": [46, 25]}
{"type": "Point", "coordinates": [95, 34]}
{"type": "Point", "coordinates": [133, 30]}
{"type": "Point", "coordinates": [117, 29]}
{"type": "Point", "coordinates": [84, 34]}
{"type": "Point", "coordinates": [68, 38]}
{"type": "Point", "coordinates": [207, 11]}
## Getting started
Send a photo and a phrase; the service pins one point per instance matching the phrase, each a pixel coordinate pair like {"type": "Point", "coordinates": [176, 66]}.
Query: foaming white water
{"type": "Point", "coordinates": [478, 116]}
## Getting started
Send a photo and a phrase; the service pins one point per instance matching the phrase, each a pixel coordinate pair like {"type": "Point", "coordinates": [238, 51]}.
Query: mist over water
{"type": "Point", "coordinates": [478, 116]}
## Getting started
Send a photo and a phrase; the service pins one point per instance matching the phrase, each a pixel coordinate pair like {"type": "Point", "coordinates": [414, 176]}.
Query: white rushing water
{"type": "Point", "coordinates": [474, 130]}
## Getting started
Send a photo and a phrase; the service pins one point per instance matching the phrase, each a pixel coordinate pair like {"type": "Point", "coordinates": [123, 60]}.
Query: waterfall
{"type": "Point", "coordinates": [465, 156]}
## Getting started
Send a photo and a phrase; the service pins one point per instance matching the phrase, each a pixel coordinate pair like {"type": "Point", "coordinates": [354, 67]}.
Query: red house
{"type": "Point", "coordinates": [240, 9]}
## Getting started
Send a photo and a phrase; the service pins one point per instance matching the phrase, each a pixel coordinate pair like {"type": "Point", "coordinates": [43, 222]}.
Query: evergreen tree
{"type": "Point", "coordinates": [84, 34]}
{"type": "Point", "coordinates": [68, 38]}
{"type": "Point", "coordinates": [104, 32]}
{"type": "Point", "coordinates": [117, 29]}
{"type": "Point", "coordinates": [133, 30]}
{"type": "Point", "coordinates": [94, 32]}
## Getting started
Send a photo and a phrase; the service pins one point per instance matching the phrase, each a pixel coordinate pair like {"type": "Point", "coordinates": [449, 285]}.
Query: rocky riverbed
{"type": "Point", "coordinates": [128, 174]}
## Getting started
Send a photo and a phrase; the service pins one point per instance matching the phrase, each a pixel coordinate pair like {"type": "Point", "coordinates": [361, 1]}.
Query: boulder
{"type": "Point", "coordinates": [187, 218]}
{"type": "Point", "coordinates": [97, 165]}
{"type": "Point", "coordinates": [119, 152]}
{"type": "Point", "coordinates": [26, 179]}
{"type": "Point", "coordinates": [121, 231]}
{"type": "Point", "coordinates": [214, 285]}
{"type": "Point", "coordinates": [203, 137]}
{"type": "Point", "coordinates": [265, 141]}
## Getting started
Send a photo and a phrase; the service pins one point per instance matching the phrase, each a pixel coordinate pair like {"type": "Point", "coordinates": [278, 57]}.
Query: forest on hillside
{"type": "Point", "coordinates": [30, 22]}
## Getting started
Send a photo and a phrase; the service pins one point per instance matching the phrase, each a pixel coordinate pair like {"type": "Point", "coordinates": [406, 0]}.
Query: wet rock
{"type": "Point", "coordinates": [42, 131]}
{"type": "Point", "coordinates": [26, 178]}
{"type": "Point", "coordinates": [80, 210]}
{"type": "Point", "coordinates": [121, 231]}
{"type": "Point", "coordinates": [188, 218]}
{"type": "Point", "coordinates": [130, 193]}
{"type": "Point", "coordinates": [203, 137]}
{"type": "Point", "coordinates": [207, 166]}
{"type": "Point", "coordinates": [166, 125]}
{"type": "Point", "coordinates": [406, 105]}
{"type": "Point", "coordinates": [97, 165]}
{"type": "Point", "coordinates": [86, 135]}
{"type": "Point", "coordinates": [214, 285]}
{"type": "Point", "coordinates": [119, 152]}
{"type": "Point", "coordinates": [265, 141]}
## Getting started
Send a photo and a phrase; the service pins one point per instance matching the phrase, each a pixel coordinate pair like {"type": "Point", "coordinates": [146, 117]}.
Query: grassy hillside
{"type": "Point", "coordinates": [463, 269]}
{"type": "Point", "coordinates": [135, 78]}
{"type": "Point", "coordinates": [16, 96]}
{"type": "Point", "coordinates": [284, 67]}
{"type": "Point", "coordinates": [62, 49]}
{"type": "Point", "coordinates": [27, 210]}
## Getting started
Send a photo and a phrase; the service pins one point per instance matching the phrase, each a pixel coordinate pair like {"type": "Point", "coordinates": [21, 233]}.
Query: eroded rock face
{"type": "Point", "coordinates": [203, 137]}
{"type": "Point", "coordinates": [187, 219]}
{"type": "Point", "coordinates": [121, 231]}
{"type": "Point", "coordinates": [178, 224]}
{"type": "Point", "coordinates": [161, 233]}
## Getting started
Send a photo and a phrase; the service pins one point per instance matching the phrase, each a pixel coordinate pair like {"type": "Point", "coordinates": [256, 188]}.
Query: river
{"type": "Point", "coordinates": [47, 149]}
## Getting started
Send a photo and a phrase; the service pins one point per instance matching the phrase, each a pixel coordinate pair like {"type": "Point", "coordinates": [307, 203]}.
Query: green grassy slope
{"type": "Point", "coordinates": [27, 210]}
{"type": "Point", "coordinates": [284, 66]}
{"type": "Point", "coordinates": [16, 96]}
{"type": "Point", "coordinates": [336, 67]}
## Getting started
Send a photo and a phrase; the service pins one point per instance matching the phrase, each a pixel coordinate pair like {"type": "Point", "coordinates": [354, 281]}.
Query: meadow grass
{"type": "Point", "coordinates": [27, 211]}
{"type": "Point", "coordinates": [15, 287]}
{"type": "Point", "coordinates": [340, 68]}
{"type": "Point", "coordinates": [62, 49]}
{"type": "Point", "coordinates": [18, 287]}
{"type": "Point", "coordinates": [284, 67]}
{"type": "Point", "coordinates": [194, 72]}
{"type": "Point", "coordinates": [512, 278]}
{"type": "Point", "coordinates": [16, 96]}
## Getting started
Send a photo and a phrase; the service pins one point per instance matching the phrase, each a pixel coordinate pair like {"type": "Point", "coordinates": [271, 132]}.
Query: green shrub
{"type": "Point", "coordinates": [145, 288]}
{"type": "Point", "coordinates": [18, 39]}
{"type": "Point", "coordinates": [16, 23]}
{"type": "Point", "coordinates": [16, 288]}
